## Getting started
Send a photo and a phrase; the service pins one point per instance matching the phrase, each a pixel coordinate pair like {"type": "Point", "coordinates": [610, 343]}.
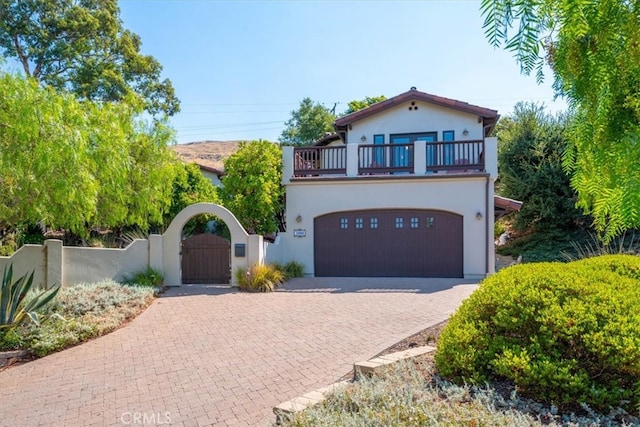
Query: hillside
{"type": "Point", "coordinates": [207, 153]}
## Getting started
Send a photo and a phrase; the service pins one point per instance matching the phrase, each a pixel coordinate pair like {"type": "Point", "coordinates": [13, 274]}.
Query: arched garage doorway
{"type": "Point", "coordinates": [389, 243]}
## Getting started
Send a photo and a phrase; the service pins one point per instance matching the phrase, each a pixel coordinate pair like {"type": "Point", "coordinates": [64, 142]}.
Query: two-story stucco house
{"type": "Point", "coordinates": [403, 188]}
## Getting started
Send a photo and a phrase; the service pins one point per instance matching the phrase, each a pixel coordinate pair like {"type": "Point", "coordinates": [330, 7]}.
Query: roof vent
{"type": "Point", "coordinates": [413, 88]}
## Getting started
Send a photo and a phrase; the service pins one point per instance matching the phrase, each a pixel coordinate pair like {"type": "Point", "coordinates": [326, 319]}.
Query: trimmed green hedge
{"type": "Point", "coordinates": [563, 333]}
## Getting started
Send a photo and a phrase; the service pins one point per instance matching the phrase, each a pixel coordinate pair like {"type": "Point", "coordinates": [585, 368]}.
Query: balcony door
{"type": "Point", "coordinates": [431, 152]}
{"type": "Point", "coordinates": [400, 154]}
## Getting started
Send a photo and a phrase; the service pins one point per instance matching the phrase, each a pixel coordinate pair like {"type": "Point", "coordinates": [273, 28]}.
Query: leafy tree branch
{"type": "Point", "coordinates": [81, 46]}
{"type": "Point", "coordinates": [593, 50]}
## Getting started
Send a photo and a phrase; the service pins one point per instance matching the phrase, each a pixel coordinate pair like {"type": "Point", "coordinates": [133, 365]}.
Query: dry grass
{"type": "Point", "coordinates": [207, 153]}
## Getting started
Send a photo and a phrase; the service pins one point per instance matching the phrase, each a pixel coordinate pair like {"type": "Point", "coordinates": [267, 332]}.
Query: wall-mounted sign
{"type": "Point", "coordinates": [299, 233]}
{"type": "Point", "coordinates": [239, 250]}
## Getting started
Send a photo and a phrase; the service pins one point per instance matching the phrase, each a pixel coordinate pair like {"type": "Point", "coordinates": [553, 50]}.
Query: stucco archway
{"type": "Point", "coordinates": [240, 239]}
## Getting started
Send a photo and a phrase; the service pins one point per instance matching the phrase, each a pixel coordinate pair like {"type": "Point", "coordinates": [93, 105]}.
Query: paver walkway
{"type": "Point", "coordinates": [207, 355]}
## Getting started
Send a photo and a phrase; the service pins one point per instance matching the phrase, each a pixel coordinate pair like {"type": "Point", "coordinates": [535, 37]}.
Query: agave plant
{"type": "Point", "coordinates": [14, 309]}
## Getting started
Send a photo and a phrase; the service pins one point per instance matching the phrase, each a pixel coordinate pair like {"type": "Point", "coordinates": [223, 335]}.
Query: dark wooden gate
{"type": "Point", "coordinates": [206, 258]}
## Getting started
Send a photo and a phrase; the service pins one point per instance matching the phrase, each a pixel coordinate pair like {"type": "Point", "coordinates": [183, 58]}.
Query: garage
{"type": "Point", "coordinates": [388, 243]}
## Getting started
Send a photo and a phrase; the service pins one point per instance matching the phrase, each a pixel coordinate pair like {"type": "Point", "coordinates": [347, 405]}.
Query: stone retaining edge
{"type": "Point", "coordinates": [367, 367]}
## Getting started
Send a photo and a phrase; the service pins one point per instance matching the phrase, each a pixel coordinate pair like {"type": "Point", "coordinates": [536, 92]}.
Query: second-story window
{"type": "Point", "coordinates": [448, 135]}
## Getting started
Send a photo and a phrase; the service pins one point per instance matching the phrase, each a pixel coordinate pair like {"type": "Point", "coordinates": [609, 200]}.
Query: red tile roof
{"type": "Point", "coordinates": [507, 204]}
{"type": "Point", "coordinates": [327, 139]}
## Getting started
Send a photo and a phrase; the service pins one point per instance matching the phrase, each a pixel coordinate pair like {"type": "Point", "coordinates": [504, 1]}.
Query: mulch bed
{"type": "Point", "coordinates": [427, 336]}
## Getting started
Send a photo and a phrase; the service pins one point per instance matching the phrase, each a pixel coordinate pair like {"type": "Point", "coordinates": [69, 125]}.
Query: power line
{"type": "Point", "coordinates": [229, 125]}
{"type": "Point", "coordinates": [227, 132]}
{"type": "Point", "coordinates": [235, 112]}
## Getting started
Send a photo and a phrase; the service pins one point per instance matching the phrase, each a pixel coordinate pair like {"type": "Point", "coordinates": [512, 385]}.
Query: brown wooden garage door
{"type": "Point", "coordinates": [206, 259]}
{"type": "Point", "coordinates": [388, 243]}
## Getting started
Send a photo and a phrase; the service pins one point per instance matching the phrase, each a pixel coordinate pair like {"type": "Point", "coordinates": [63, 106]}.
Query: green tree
{"type": "Point", "coordinates": [307, 124]}
{"type": "Point", "coordinates": [252, 187]}
{"type": "Point", "coordinates": [190, 186]}
{"type": "Point", "coordinates": [531, 143]}
{"type": "Point", "coordinates": [593, 50]}
{"type": "Point", "coordinates": [77, 164]}
{"type": "Point", "coordinates": [81, 46]}
{"type": "Point", "coordinates": [357, 105]}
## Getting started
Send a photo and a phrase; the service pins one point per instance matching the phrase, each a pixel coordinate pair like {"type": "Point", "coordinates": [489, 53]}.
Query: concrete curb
{"type": "Point", "coordinates": [374, 365]}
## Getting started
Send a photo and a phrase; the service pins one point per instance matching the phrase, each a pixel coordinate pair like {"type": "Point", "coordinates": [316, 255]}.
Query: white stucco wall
{"type": "Point", "coordinates": [465, 196]}
{"type": "Point", "coordinates": [92, 265]}
{"type": "Point", "coordinates": [213, 177]}
{"type": "Point", "coordinates": [53, 263]}
{"type": "Point", "coordinates": [427, 118]}
{"type": "Point", "coordinates": [25, 260]}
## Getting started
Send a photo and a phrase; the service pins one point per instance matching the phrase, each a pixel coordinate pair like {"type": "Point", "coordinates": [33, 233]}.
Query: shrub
{"type": "Point", "coordinates": [259, 278]}
{"type": "Point", "coordinates": [596, 247]}
{"type": "Point", "coordinates": [148, 277]}
{"type": "Point", "coordinates": [291, 269]}
{"type": "Point", "coordinates": [546, 245]}
{"type": "Point", "coordinates": [294, 269]}
{"type": "Point", "coordinates": [8, 244]}
{"type": "Point", "coordinates": [499, 227]}
{"type": "Point", "coordinates": [10, 340]}
{"type": "Point", "coordinates": [403, 395]}
{"type": "Point", "coordinates": [58, 334]}
{"type": "Point", "coordinates": [563, 333]}
{"type": "Point", "coordinates": [82, 312]}
{"type": "Point", "coordinates": [530, 151]}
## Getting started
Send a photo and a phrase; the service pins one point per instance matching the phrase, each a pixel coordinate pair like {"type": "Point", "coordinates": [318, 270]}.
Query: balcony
{"type": "Point", "coordinates": [419, 158]}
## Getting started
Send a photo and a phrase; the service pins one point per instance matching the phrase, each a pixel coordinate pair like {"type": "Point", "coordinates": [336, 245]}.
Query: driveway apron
{"type": "Point", "coordinates": [205, 355]}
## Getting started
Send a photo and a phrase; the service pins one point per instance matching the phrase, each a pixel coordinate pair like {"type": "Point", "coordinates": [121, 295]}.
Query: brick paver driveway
{"type": "Point", "coordinates": [206, 355]}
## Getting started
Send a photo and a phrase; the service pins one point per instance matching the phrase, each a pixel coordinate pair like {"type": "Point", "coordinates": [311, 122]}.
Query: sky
{"type": "Point", "coordinates": [240, 67]}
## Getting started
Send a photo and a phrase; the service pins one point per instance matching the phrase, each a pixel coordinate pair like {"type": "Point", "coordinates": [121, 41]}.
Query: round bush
{"type": "Point", "coordinates": [562, 333]}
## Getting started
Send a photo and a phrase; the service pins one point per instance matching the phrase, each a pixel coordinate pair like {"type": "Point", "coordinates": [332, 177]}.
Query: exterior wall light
{"type": "Point", "coordinates": [299, 218]}
{"type": "Point", "coordinates": [363, 138]}
{"type": "Point", "coordinates": [465, 132]}
{"type": "Point", "coordinates": [478, 215]}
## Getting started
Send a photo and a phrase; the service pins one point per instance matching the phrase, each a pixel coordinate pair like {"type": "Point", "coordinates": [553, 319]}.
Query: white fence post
{"type": "Point", "coordinates": [287, 164]}
{"type": "Point", "coordinates": [491, 156]}
{"type": "Point", "coordinates": [420, 157]}
{"type": "Point", "coordinates": [352, 159]}
{"type": "Point", "coordinates": [155, 252]}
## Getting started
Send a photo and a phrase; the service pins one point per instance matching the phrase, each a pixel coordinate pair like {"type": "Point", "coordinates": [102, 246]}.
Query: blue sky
{"type": "Point", "coordinates": [241, 67]}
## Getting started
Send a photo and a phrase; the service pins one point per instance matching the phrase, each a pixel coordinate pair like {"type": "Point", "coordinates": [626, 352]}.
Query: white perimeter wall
{"type": "Point", "coordinates": [97, 264]}
{"type": "Point", "coordinates": [54, 264]}
{"type": "Point", "coordinates": [25, 260]}
{"type": "Point", "coordinates": [465, 196]}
